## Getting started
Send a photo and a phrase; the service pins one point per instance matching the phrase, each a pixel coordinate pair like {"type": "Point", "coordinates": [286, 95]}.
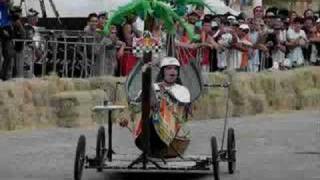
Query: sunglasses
{"type": "Point", "coordinates": [245, 30]}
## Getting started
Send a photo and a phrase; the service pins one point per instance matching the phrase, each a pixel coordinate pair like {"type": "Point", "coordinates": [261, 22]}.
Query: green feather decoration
{"type": "Point", "coordinates": [178, 3]}
{"type": "Point", "coordinates": [169, 17]}
{"type": "Point", "coordinates": [159, 9]}
{"type": "Point", "coordinates": [133, 8]}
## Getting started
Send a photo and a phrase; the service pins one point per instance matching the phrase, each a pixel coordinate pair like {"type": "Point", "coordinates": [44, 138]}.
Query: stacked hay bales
{"type": "Point", "coordinates": [73, 108]}
{"type": "Point", "coordinates": [264, 92]}
{"type": "Point", "coordinates": [53, 101]}
{"type": "Point", "coordinates": [65, 102]}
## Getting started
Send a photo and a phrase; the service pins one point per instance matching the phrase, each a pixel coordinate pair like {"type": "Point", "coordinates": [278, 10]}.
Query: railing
{"type": "Point", "coordinates": [67, 59]}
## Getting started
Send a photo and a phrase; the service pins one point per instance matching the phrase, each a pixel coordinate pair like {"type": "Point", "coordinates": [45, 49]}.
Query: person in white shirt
{"type": "Point", "coordinates": [296, 39]}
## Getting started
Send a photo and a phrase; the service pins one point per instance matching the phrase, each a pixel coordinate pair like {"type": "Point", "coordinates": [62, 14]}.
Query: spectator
{"type": "Point", "coordinates": [128, 60]}
{"type": "Point", "coordinates": [278, 48]}
{"type": "Point", "coordinates": [193, 18]}
{"type": "Point", "coordinates": [102, 19]}
{"type": "Point", "coordinates": [309, 14]}
{"type": "Point", "coordinates": [308, 29]}
{"type": "Point", "coordinates": [6, 39]}
{"type": "Point", "coordinates": [92, 22]}
{"type": "Point", "coordinates": [296, 40]}
{"type": "Point", "coordinates": [315, 43]}
{"type": "Point", "coordinates": [18, 33]}
{"type": "Point", "coordinates": [292, 16]}
{"type": "Point", "coordinates": [254, 35]}
{"type": "Point", "coordinates": [246, 43]}
{"type": "Point", "coordinates": [258, 12]}
{"type": "Point", "coordinates": [224, 38]}
{"type": "Point", "coordinates": [109, 54]}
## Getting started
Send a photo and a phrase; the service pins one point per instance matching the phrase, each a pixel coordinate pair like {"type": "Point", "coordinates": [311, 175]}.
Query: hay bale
{"type": "Point", "coordinates": [38, 90]}
{"type": "Point", "coordinates": [65, 84]}
{"type": "Point", "coordinates": [316, 76]}
{"type": "Point", "coordinates": [73, 108]}
{"type": "Point", "coordinates": [257, 104]}
{"type": "Point", "coordinates": [310, 98]}
{"type": "Point", "coordinates": [302, 79]}
{"type": "Point", "coordinates": [108, 84]}
{"type": "Point", "coordinates": [238, 94]}
{"type": "Point", "coordinates": [81, 84]}
{"type": "Point", "coordinates": [211, 103]}
{"type": "Point", "coordinates": [52, 84]}
{"type": "Point", "coordinates": [11, 96]}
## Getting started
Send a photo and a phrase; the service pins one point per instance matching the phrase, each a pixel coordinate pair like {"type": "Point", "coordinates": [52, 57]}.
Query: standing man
{"type": "Point", "coordinates": [5, 36]}
{"type": "Point", "coordinates": [18, 33]}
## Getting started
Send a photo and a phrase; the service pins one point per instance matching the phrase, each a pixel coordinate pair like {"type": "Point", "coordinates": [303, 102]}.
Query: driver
{"type": "Point", "coordinates": [169, 114]}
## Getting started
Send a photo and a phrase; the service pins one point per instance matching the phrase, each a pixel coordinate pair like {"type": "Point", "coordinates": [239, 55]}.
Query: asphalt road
{"type": "Point", "coordinates": [269, 147]}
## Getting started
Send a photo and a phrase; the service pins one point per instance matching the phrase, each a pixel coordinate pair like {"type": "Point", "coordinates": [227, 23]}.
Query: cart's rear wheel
{"type": "Point", "coordinates": [231, 150]}
{"type": "Point", "coordinates": [215, 157]}
{"type": "Point", "coordinates": [80, 157]}
{"type": "Point", "coordinates": [100, 147]}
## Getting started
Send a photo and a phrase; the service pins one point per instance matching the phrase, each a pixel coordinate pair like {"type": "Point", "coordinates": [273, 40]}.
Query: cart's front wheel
{"type": "Point", "coordinates": [231, 150]}
{"type": "Point", "coordinates": [215, 158]}
{"type": "Point", "coordinates": [100, 147]}
{"type": "Point", "coordinates": [80, 157]}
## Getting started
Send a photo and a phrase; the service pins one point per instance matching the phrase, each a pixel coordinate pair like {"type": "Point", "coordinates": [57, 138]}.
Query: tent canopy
{"type": "Point", "coordinates": [81, 8]}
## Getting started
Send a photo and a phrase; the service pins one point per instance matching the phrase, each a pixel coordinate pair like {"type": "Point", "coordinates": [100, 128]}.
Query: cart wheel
{"type": "Point", "coordinates": [231, 150]}
{"type": "Point", "coordinates": [215, 162]}
{"type": "Point", "coordinates": [80, 157]}
{"type": "Point", "coordinates": [100, 147]}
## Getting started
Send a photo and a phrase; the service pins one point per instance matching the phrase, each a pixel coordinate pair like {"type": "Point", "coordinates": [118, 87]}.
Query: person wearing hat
{"type": "Point", "coordinates": [32, 16]}
{"type": "Point", "coordinates": [102, 19]}
{"type": "Point", "coordinates": [254, 53]}
{"type": "Point", "coordinates": [244, 43]}
{"type": "Point", "coordinates": [169, 110]}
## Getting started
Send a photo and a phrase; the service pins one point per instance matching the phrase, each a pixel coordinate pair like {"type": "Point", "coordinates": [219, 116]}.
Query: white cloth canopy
{"type": "Point", "coordinates": [81, 8]}
{"type": "Point", "coordinates": [220, 8]}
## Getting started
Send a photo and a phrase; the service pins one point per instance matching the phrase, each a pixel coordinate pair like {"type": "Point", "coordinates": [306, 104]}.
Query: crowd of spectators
{"type": "Point", "coordinates": [272, 39]}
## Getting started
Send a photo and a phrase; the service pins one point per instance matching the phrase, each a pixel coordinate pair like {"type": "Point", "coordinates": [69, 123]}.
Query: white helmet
{"type": "Point", "coordinates": [166, 61]}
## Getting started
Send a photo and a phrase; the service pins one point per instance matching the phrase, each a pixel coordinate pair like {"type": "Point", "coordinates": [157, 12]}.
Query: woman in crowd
{"type": "Point", "coordinates": [127, 59]}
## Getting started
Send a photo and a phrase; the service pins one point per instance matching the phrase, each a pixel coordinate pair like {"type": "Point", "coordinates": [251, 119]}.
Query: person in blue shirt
{"type": "Point", "coordinates": [6, 38]}
{"type": "Point", "coordinates": [5, 19]}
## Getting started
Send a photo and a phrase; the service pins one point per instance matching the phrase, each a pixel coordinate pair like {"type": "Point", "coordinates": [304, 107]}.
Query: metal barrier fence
{"type": "Point", "coordinates": [67, 59]}
{"type": "Point", "coordinates": [77, 54]}
{"type": "Point", "coordinates": [77, 58]}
